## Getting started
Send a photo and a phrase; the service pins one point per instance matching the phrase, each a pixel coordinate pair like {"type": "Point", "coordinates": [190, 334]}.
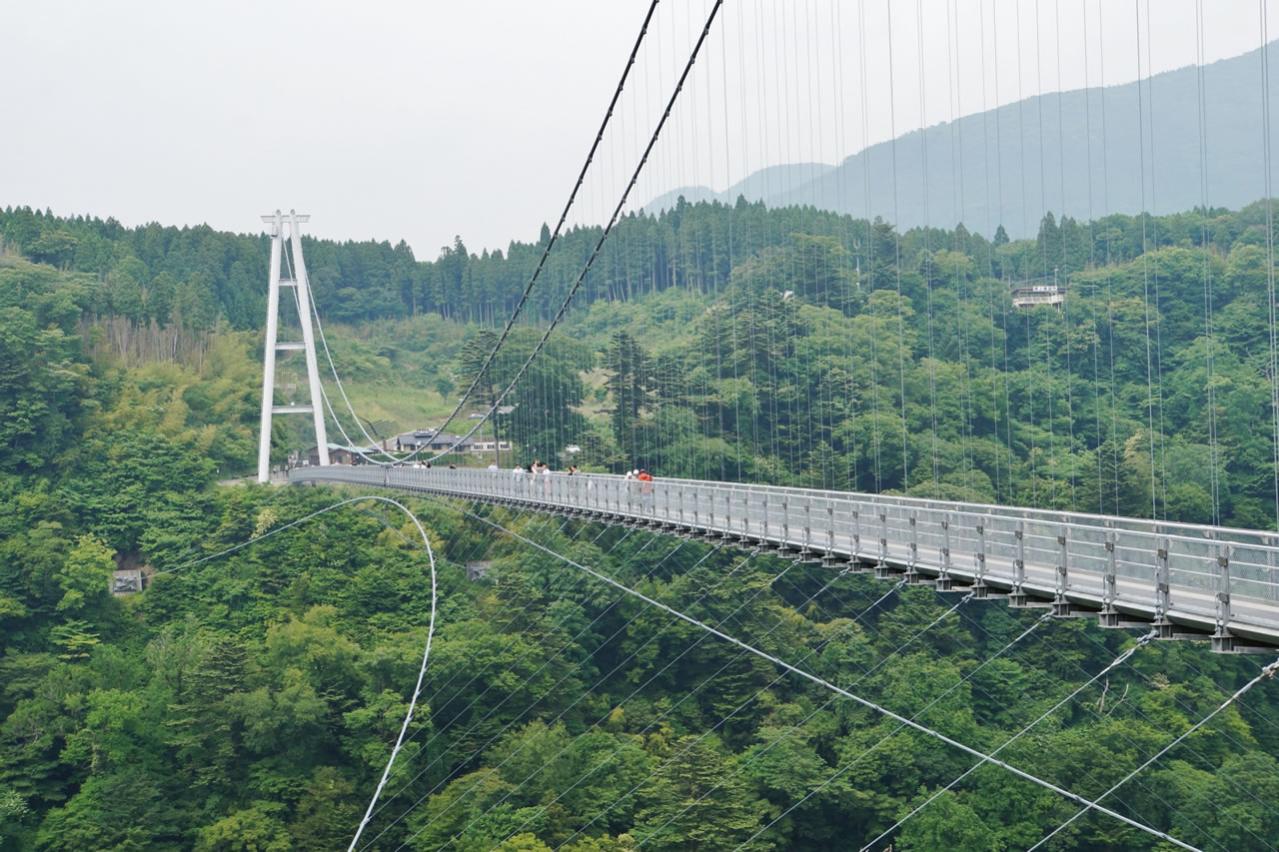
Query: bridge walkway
{"type": "Point", "coordinates": [1185, 579]}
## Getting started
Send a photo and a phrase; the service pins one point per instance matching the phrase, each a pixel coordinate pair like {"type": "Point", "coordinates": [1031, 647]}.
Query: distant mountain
{"type": "Point", "coordinates": [761, 184]}
{"type": "Point", "coordinates": [1005, 166]}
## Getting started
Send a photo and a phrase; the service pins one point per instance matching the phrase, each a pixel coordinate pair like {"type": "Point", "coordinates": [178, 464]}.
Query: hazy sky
{"type": "Point", "coordinates": [418, 121]}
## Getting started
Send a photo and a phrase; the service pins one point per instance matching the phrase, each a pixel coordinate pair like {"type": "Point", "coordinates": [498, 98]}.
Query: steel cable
{"type": "Point", "coordinates": [541, 263]}
{"type": "Point", "coordinates": [1266, 673]}
{"type": "Point", "coordinates": [599, 245]}
{"type": "Point", "coordinates": [1118, 661]}
{"type": "Point", "coordinates": [737, 770]}
{"type": "Point", "coordinates": [895, 588]}
{"type": "Point", "coordinates": [820, 681]}
{"type": "Point", "coordinates": [842, 769]}
{"type": "Point", "coordinates": [491, 711]}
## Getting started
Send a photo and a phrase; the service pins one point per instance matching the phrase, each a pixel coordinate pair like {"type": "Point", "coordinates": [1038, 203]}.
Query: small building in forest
{"type": "Point", "coordinates": [127, 581]}
{"type": "Point", "coordinates": [337, 455]}
{"type": "Point", "coordinates": [1034, 292]}
{"type": "Point", "coordinates": [131, 574]}
{"type": "Point", "coordinates": [1040, 294]}
{"type": "Point", "coordinates": [487, 445]}
{"type": "Point", "coordinates": [433, 441]}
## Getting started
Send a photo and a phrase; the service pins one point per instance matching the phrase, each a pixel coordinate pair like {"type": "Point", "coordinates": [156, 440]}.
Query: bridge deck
{"type": "Point", "coordinates": [1180, 577]}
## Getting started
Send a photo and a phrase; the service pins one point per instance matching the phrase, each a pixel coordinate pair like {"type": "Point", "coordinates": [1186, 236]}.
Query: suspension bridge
{"type": "Point", "coordinates": [1183, 579]}
{"type": "Point", "coordinates": [1166, 579]}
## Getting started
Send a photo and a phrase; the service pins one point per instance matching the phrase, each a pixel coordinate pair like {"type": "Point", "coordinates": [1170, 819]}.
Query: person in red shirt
{"type": "Point", "coordinates": [646, 489]}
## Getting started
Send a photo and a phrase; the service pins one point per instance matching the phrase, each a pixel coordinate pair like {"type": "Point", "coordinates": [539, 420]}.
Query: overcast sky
{"type": "Point", "coordinates": [419, 121]}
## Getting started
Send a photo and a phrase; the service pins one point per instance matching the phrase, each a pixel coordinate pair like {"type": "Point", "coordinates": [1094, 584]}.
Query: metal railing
{"type": "Point", "coordinates": [1210, 578]}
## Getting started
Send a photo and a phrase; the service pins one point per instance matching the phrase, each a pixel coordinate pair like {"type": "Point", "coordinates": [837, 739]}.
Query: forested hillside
{"type": "Point", "coordinates": [880, 362]}
{"type": "Point", "coordinates": [798, 346]}
{"type": "Point", "coordinates": [250, 702]}
{"type": "Point", "coordinates": [198, 275]}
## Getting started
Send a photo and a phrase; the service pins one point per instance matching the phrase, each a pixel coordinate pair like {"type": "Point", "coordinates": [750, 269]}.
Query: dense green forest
{"type": "Point", "coordinates": [907, 367]}
{"type": "Point", "coordinates": [249, 703]}
{"type": "Point", "coordinates": [799, 346]}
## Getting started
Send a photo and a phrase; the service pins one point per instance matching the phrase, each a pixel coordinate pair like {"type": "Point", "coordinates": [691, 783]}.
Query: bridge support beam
{"type": "Point", "coordinates": [857, 564]}
{"type": "Point", "coordinates": [831, 557]}
{"type": "Point", "coordinates": [943, 582]}
{"type": "Point", "coordinates": [1062, 607]}
{"type": "Point", "coordinates": [1109, 616]}
{"type": "Point", "coordinates": [1164, 628]}
{"type": "Point", "coordinates": [1017, 597]}
{"type": "Point", "coordinates": [913, 577]}
{"type": "Point", "coordinates": [882, 570]}
{"type": "Point", "coordinates": [966, 543]}
{"type": "Point", "coordinates": [1222, 640]}
{"type": "Point", "coordinates": [980, 589]}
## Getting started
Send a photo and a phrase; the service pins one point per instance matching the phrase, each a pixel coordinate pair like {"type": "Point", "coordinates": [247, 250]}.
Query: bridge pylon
{"type": "Point", "coordinates": [301, 287]}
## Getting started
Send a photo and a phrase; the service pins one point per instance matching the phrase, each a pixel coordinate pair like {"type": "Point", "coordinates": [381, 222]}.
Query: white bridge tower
{"type": "Point", "coordinates": [302, 291]}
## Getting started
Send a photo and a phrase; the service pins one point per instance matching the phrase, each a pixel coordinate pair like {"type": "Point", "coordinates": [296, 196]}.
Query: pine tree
{"type": "Point", "coordinates": [631, 383]}
{"type": "Point", "coordinates": [697, 802]}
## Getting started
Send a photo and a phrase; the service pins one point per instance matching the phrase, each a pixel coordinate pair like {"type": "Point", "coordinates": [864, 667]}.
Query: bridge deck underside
{"type": "Point", "coordinates": [1179, 577]}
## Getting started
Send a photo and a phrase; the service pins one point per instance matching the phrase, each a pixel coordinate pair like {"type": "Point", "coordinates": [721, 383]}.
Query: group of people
{"type": "Point", "coordinates": [540, 467]}
{"type": "Point", "coordinates": [535, 468]}
{"type": "Point", "coordinates": [639, 481]}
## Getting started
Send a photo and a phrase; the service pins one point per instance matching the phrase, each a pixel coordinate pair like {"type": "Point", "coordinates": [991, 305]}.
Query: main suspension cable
{"type": "Point", "coordinates": [555, 235]}
{"type": "Point", "coordinates": [599, 245]}
{"type": "Point", "coordinates": [430, 629]}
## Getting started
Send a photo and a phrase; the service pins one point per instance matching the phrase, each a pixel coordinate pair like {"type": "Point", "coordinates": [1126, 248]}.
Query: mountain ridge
{"type": "Point", "coordinates": [1011, 164]}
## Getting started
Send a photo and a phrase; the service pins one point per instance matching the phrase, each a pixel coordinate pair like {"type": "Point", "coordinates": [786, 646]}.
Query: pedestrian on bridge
{"type": "Point", "coordinates": [645, 480]}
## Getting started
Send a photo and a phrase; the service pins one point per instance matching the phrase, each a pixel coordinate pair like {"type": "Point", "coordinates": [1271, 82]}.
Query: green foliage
{"type": "Point", "coordinates": [74, 638]}
{"type": "Point", "coordinates": [736, 341]}
{"type": "Point", "coordinates": [85, 576]}
{"type": "Point", "coordinates": [694, 800]}
{"type": "Point", "coordinates": [631, 383]}
{"type": "Point", "coordinates": [949, 824]}
{"type": "Point", "coordinates": [13, 808]}
{"type": "Point", "coordinates": [253, 829]}
{"type": "Point", "coordinates": [250, 702]}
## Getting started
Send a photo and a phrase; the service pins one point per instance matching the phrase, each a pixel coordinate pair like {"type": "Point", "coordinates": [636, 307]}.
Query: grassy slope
{"type": "Point", "coordinates": [390, 369]}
